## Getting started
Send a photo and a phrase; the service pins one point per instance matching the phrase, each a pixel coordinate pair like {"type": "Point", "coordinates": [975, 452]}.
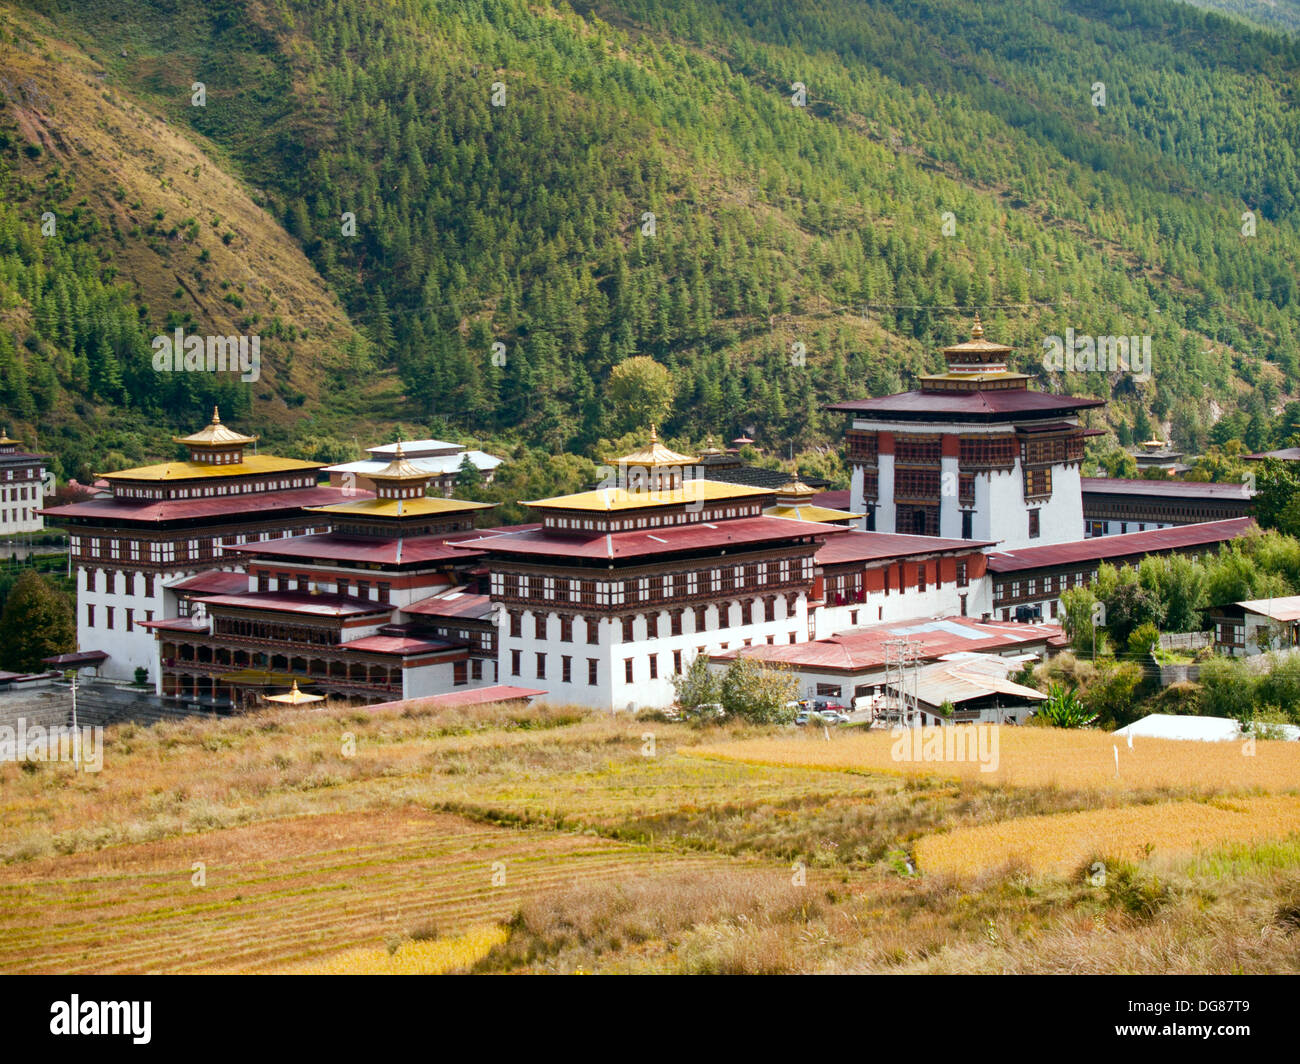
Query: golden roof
{"type": "Point", "coordinates": [610, 499]}
{"type": "Point", "coordinates": [294, 697]}
{"type": "Point", "coordinates": [805, 512]}
{"type": "Point", "coordinates": [401, 468]}
{"type": "Point", "coordinates": [4, 438]}
{"type": "Point", "coordinates": [215, 435]}
{"type": "Point", "coordinates": [252, 464]}
{"type": "Point", "coordinates": [796, 486]}
{"type": "Point", "coordinates": [424, 506]}
{"type": "Point", "coordinates": [977, 345]}
{"type": "Point", "coordinates": [656, 455]}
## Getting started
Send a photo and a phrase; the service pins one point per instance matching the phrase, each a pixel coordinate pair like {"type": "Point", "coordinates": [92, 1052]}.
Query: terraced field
{"type": "Point", "coordinates": [282, 892]}
{"type": "Point", "coordinates": [547, 839]}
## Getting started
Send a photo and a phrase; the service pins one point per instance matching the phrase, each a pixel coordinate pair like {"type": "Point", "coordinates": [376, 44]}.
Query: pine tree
{"type": "Point", "coordinates": [37, 623]}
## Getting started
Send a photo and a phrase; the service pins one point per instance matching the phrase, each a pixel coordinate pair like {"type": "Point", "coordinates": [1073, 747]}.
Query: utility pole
{"type": "Point", "coordinates": [76, 731]}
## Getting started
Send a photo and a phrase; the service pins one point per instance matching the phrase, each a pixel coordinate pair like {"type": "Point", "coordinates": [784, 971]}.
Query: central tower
{"type": "Point", "coordinates": [971, 454]}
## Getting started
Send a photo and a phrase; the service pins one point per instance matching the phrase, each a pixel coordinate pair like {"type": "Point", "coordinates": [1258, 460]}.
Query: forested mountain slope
{"type": "Point", "coordinates": [501, 160]}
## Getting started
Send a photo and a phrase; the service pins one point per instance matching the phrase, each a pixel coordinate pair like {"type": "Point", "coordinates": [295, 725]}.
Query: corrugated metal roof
{"type": "Point", "coordinates": [735, 532]}
{"type": "Point", "coordinates": [961, 681]}
{"type": "Point", "coordinates": [982, 405]}
{"type": "Point", "coordinates": [332, 546]}
{"type": "Point", "coordinates": [476, 697]}
{"type": "Point", "coordinates": [396, 644]}
{"type": "Point", "coordinates": [151, 511]}
{"type": "Point", "coordinates": [452, 604]}
{"type": "Point", "coordinates": [302, 602]}
{"type": "Point", "coordinates": [1165, 488]}
{"type": "Point", "coordinates": [1101, 548]}
{"type": "Point", "coordinates": [863, 649]}
{"type": "Point", "coordinates": [434, 465]}
{"type": "Point", "coordinates": [858, 546]}
{"type": "Point", "coordinates": [213, 581]}
{"type": "Point", "coordinates": [1283, 608]}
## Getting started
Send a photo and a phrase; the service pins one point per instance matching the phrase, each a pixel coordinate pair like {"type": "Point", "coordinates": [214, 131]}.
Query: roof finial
{"type": "Point", "coordinates": [216, 416]}
{"type": "Point", "coordinates": [654, 436]}
{"type": "Point", "coordinates": [977, 330]}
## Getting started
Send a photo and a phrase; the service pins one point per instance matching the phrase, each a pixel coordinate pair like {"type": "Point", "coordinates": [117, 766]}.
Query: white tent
{"type": "Point", "coordinates": [1203, 729]}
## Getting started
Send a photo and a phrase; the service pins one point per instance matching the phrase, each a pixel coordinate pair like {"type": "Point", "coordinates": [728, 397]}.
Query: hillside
{"type": "Point", "coordinates": [949, 157]}
{"type": "Point", "coordinates": [1282, 15]}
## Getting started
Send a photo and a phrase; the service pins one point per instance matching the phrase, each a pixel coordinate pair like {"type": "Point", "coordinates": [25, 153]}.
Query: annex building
{"type": "Point", "coordinates": [22, 487]}
{"type": "Point", "coordinates": [162, 523]}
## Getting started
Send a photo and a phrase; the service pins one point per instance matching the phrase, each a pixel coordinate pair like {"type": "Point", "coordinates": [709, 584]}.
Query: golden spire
{"type": "Point", "coordinates": [977, 330]}
{"type": "Point", "coordinates": [654, 436]}
{"type": "Point", "coordinates": [215, 434]}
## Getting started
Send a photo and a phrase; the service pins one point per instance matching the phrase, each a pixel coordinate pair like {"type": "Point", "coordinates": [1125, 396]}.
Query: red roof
{"type": "Point", "coordinates": [453, 604]}
{"type": "Point", "coordinates": [331, 545]}
{"type": "Point", "coordinates": [81, 657]}
{"type": "Point", "coordinates": [300, 602]}
{"type": "Point", "coordinates": [1049, 426]}
{"type": "Point", "coordinates": [394, 644]}
{"type": "Point", "coordinates": [1110, 548]}
{"type": "Point", "coordinates": [983, 405]}
{"type": "Point", "coordinates": [174, 624]}
{"type": "Point", "coordinates": [213, 582]}
{"type": "Point", "coordinates": [154, 511]}
{"type": "Point", "coordinates": [833, 500]}
{"type": "Point", "coordinates": [863, 649]}
{"type": "Point", "coordinates": [479, 696]}
{"type": "Point", "coordinates": [859, 546]}
{"type": "Point", "coordinates": [1171, 489]}
{"type": "Point", "coordinates": [731, 533]}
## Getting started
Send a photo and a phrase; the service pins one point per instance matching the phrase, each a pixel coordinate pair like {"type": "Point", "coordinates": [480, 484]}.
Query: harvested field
{"type": "Point", "coordinates": [1039, 757]}
{"type": "Point", "coordinates": [1061, 843]}
{"type": "Point", "coordinates": [284, 892]}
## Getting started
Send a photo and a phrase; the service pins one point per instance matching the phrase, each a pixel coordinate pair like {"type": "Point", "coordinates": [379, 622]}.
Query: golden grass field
{"type": "Point", "coordinates": [534, 839]}
{"type": "Point", "coordinates": [411, 958]}
{"type": "Point", "coordinates": [1062, 842]}
{"type": "Point", "coordinates": [1040, 757]}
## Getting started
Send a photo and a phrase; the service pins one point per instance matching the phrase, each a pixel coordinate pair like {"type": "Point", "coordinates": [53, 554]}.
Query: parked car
{"type": "Point", "coordinates": [823, 705]}
{"type": "Point", "coordinates": [801, 719]}
{"type": "Point", "coordinates": [832, 716]}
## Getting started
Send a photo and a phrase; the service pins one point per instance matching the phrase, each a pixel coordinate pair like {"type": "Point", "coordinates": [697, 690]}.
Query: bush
{"type": "Point", "coordinates": [699, 685]}
{"type": "Point", "coordinates": [1142, 639]}
{"type": "Point", "coordinates": [756, 693]}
